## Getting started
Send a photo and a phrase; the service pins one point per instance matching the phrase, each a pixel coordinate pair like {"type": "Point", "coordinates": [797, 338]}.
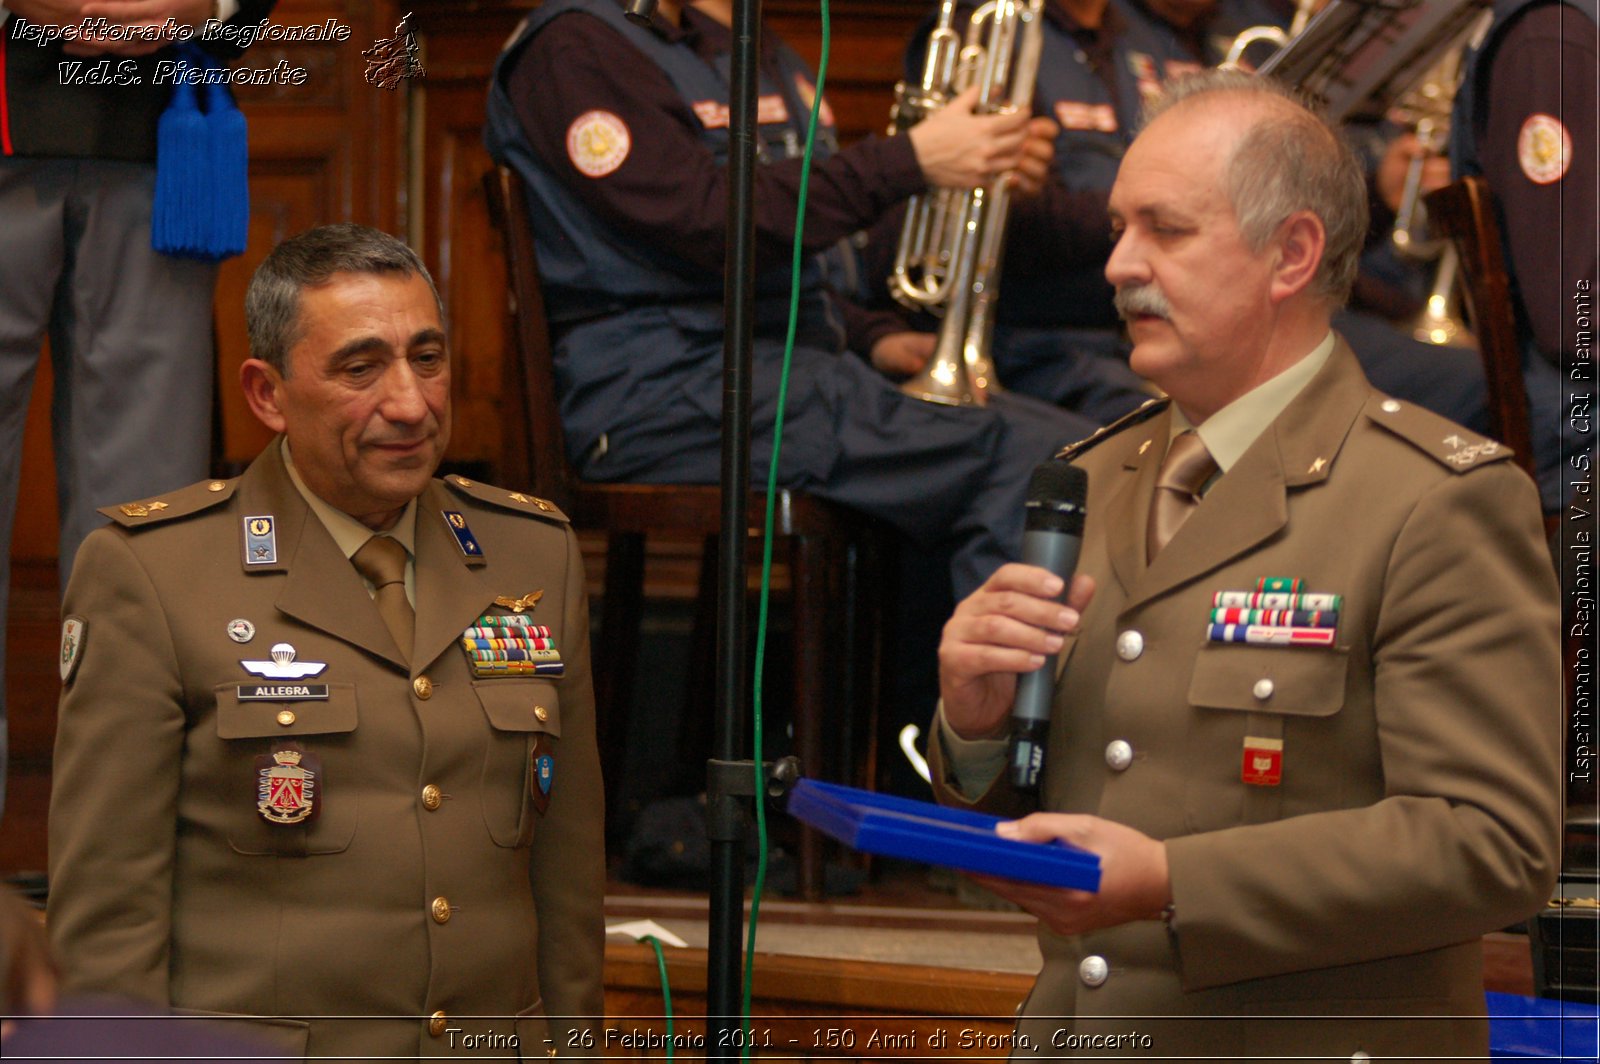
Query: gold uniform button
{"type": "Point", "coordinates": [436, 1023]}
{"type": "Point", "coordinates": [441, 910]}
{"type": "Point", "coordinates": [541, 714]}
{"type": "Point", "coordinates": [423, 687]}
{"type": "Point", "coordinates": [286, 717]}
{"type": "Point", "coordinates": [216, 485]}
{"type": "Point", "coordinates": [432, 797]}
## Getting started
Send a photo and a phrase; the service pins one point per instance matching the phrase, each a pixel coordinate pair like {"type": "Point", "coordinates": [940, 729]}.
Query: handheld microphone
{"type": "Point", "coordinates": [1057, 495]}
{"type": "Point", "coordinates": [640, 12]}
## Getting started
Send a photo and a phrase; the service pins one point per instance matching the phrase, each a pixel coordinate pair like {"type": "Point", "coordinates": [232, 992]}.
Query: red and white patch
{"type": "Point", "coordinates": [1076, 115]}
{"type": "Point", "coordinates": [1544, 148]}
{"type": "Point", "coordinates": [770, 110]}
{"type": "Point", "coordinates": [597, 143]}
{"type": "Point", "coordinates": [808, 95]}
{"type": "Point", "coordinates": [1262, 765]}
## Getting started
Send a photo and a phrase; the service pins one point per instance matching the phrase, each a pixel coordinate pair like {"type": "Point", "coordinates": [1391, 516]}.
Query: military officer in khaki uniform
{"type": "Point", "coordinates": [326, 753]}
{"type": "Point", "coordinates": [1307, 815]}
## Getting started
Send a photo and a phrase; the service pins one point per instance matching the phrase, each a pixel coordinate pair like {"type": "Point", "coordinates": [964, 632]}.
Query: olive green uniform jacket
{"type": "Point", "coordinates": [438, 880]}
{"type": "Point", "coordinates": [1417, 806]}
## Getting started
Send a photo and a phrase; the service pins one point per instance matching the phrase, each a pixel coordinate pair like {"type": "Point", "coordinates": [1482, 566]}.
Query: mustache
{"type": "Point", "coordinates": [1141, 299]}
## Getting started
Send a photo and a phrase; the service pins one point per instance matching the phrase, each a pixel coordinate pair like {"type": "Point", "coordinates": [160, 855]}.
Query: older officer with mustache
{"type": "Point", "coordinates": [1308, 710]}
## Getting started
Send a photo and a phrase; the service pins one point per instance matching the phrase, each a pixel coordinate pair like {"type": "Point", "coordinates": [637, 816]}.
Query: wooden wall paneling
{"type": "Point", "coordinates": [864, 57]}
{"type": "Point", "coordinates": [451, 227]}
{"type": "Point", "coordinates": [324, 151]}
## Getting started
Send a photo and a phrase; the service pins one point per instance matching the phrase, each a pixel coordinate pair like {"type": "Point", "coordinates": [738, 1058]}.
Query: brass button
{"type": "Point", "coordinates": [1130, 645]}
{"type": "Point", "coordinates": [1119, 754]}
{"type": "Point", "coordinates": [541, 714]}
{"type": "Point", "coordinates": [1093, 970]}
{"type": "Point", "coordinates": [216, 485]}
{"type": "Point", "coordinates": [286, 717]}
{"type": "Point", "coordinates": [432, 797]}
{"type": "Point", "coordinates": [1263, 689]}
{"type": "Point", "coordinates": [436, 1023]}
{"type": "Point", "coordinates": [423, 687]}
{"type": "Point", "coordinates": [441, 910]}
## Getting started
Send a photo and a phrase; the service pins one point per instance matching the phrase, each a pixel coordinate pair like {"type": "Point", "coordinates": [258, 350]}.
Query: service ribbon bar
{"type": "Point", "coordinates": [514, 620]}
{"type": "Point", "coordinates": [1270, 635]}
{"type": "Point", "coordinates": [1291, 618]}
{"type": "Point", "coordinates": [1288, 585]}
{"type": "Point", "coordinates": [483, 669]}
{"type": "Point", "coordinates": [515, 655]}
{"type": "Point", "coordinates": [1271, 600]}
{"type": "Point", "coordinates": [508, 643]}
{"type": "Point", "coordinates": [499, 628]}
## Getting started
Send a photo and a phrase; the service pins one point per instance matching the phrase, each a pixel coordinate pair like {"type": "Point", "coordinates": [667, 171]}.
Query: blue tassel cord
{"type": "Point", "coordinates": [202, 205]}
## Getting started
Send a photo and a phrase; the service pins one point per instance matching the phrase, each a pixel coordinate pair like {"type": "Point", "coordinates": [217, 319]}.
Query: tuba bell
{"type": "Point", "coordinates": [948, 259]}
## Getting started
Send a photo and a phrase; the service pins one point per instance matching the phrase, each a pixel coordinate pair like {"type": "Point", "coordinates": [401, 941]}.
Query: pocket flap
{"type": "Point", "coordinates": [1307, 682]}
{"type": "Point", "coordinates": [520, 705]}
{"type": "Point", "coordinates": [253, 711]}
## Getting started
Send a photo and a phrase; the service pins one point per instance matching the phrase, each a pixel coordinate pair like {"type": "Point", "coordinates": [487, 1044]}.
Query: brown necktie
{"type": "Point", "coordinates": [382, 560]}
{"type": "Point", "coordinates": [1187, 468]}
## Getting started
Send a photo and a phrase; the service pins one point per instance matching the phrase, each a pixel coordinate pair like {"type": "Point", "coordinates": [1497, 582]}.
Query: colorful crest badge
{"type": "Point", "coordinates": [542, 771]}
{"type": "Point", "coordinates": [287, 785]}
{"type": "Point", "coordinates": [74, 631]}
{"type": "Point", "coordinates": [1263, 762]}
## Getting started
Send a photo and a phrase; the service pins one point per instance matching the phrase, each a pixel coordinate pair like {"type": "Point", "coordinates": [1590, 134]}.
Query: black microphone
{"type": "Point", "coordinates": [1057, 496]}
{"type": "Point", "coordinates": [640, 12]}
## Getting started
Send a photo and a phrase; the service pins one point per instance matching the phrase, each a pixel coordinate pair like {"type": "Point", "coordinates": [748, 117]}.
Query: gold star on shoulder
{"type": "Point", "coordinates": [1316, 466]}
{"type": "Point", "coordinates": [139, 509]}
{"type": "Point", "coordinates": [1145, 446]}
{"type": "Point", "coordinates": [520, 605]}
{"type": "Point", "coordinates": [519, 497]}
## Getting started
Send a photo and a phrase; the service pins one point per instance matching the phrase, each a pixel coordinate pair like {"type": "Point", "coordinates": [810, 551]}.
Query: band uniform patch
{"type": "Point", "coordinates": [288, 786]}
{"type": "Point", "coordinates": [260, 540]}
{"type": "Point", "coordinates": [1544, 149]}
{"type": "Point", "coordinates": [597, 143]}
{"type": "Point", "coordinates": [74, 632]}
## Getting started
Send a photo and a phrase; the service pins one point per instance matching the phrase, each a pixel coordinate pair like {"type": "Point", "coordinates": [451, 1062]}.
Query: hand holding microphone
{"type": "Point", "coordinates": [1053, 535]}
{"type": "Point", "coordinates": [1014, 624]}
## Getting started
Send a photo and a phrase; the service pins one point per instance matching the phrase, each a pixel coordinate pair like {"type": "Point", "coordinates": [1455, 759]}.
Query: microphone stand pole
{"type": "Point", "coordinates": [730, 778]}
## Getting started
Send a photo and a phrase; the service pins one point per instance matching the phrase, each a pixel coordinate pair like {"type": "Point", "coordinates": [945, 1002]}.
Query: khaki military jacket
{"type": "Point", "coordinates": [1344, 822]}
{"type": "Point", "coordinates": [445, 895]}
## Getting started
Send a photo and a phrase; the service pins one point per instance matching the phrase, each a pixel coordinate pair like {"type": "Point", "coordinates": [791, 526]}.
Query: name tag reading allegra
{"type": "Point", "coordinates": [282, 692]}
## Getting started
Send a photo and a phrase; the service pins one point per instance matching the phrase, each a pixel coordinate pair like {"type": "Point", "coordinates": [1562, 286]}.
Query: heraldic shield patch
{"type": "Point", "coordinates": [288, 785]}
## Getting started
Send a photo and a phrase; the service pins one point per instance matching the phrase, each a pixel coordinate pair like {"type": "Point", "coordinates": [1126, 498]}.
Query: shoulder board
{"type": "Point", "coordinates": [1451, 445]}
{"type": "Point", "coordinates": [180, 503]}
{"type": "Point", "coordinates": [500, 498]}
{"type": "Point", "coordinates": [1137, 417]}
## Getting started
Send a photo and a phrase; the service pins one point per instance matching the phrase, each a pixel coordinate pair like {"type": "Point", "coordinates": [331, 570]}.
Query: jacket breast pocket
{"type": "Point", "coordinates": [520, 768]}
{"type": "Point", "coordinates": [290, 757]}
{"type": "Point", "coordinates": [1250, 709]}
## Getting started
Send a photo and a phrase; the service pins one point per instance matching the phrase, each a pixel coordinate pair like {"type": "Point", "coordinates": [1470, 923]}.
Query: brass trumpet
{"type": "Point", "coordinates": [1273, 35]}
{"type": "Point", "coordinates": [948, 258]}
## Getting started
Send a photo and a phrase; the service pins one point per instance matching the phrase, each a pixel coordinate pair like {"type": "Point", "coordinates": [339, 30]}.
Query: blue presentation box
{"type": "Point", "coordinates": [938, 835]}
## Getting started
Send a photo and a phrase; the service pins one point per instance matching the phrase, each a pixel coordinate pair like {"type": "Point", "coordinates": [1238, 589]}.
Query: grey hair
{"type": "Point", "coordinates": [1291, 160]}
{"type": "Point", "coordinates": [272, 302]}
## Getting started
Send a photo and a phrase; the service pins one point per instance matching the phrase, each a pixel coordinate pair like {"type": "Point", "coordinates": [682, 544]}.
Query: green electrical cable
{"type": "Point", "coordinates": [766, 537]}
{"type": "Point", "coordinates": [666, 989]}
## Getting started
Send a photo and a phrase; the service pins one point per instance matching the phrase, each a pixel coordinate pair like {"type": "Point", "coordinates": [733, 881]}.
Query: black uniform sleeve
{"type": "Point", "coordinates": [1544, 72]}
{"type": "Point", "coordinates": [670, 190]}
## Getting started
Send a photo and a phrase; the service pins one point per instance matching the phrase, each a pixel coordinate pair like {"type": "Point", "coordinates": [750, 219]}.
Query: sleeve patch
{"type": "Point", "coordinates": [597, 143]}
{"type": "Point", "coordinates": [1544, 149]}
